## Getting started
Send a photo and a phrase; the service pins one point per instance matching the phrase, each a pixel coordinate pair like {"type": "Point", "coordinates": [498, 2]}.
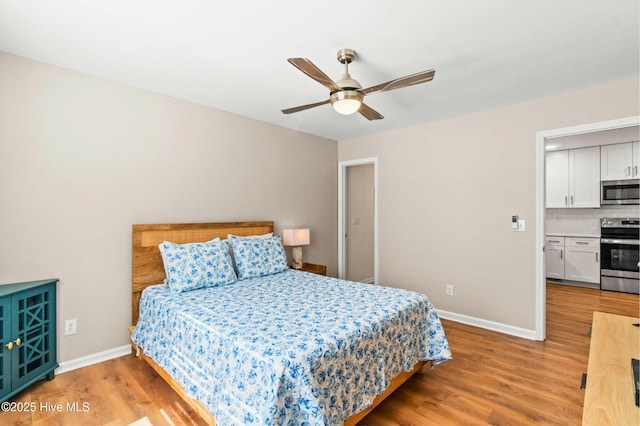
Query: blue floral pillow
{"type": "Point", "coordinates": [197, 265]}
{"type": "Point", "coordinates": [257, 257]}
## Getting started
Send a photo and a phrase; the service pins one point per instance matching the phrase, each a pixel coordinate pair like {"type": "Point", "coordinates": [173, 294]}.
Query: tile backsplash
{"type": "Point", "coordinates": [584, 221]}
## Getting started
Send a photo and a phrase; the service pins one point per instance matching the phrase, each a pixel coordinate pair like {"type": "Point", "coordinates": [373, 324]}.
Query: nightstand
{"type": "Point", "coordinates": [314, 269]}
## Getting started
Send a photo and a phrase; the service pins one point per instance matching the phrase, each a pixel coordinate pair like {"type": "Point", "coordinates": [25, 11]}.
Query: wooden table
{"type": "Point", "coordinates": [609, 397]}
{"type": "Point", "coordinates": [313, 268]}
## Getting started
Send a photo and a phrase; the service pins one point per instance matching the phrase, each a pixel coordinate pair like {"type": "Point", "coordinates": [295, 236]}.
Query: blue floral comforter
{"type": "Point", "coordinates": [290, 348]}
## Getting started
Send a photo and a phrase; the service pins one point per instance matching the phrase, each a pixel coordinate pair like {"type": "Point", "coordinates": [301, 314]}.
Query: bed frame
{"type": "Point", "coordinates": [148, 269]}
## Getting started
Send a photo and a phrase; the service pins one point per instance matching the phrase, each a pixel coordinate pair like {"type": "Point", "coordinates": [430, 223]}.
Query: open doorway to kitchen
{"type": "Point", "coordinates": [358, 220]}
{"type": "Point", "coordinates": [544, 138]}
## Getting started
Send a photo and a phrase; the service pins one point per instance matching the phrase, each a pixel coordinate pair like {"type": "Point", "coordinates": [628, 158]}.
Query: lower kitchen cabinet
{"type": "Point", "coordinates": [573, 259]}
{"type": "Point", "coordinates": [27, 334]}
{"type": "Point", "coordinates": [582, 260]}
{"type": "Point", "coordinates": [555, 257]}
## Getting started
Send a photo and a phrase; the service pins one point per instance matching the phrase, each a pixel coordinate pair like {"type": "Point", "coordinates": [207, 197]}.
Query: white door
{"type": "Point", "coordinates": [359, 223]}
{"type": "Point", "coordinates": [343, 218]}
{"type": "Point", "coordinates": [557, 179]}
{"type": "Point", "coordinates": [616, 161]}
{"type": "Point", "coordinates": [635, 161]}
{"type": "Point", "coordinates": [584, 177]}
{"type": "Point", "coordinates": [555, 257]}
{"type": "Point", "coordinates": [583, 260]}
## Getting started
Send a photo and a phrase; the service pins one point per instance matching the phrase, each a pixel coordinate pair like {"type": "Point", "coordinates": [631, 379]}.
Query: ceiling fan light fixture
{"type": "Point", "coordinates": [346, 101]}
{"type": "Point", "coordinates": [347, 94]}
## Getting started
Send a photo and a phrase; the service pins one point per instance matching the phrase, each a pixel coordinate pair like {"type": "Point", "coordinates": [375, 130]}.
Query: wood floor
{"type": "Point", "coordinates": [493, 379]}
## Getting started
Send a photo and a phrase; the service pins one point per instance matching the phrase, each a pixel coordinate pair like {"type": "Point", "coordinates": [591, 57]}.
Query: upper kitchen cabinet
{"type": "Point", "coordinates": [573, 178]}
{"type": "Point", "coordinates": [620, 161]}
{"type": "Point", "coordinates": [557, 178]}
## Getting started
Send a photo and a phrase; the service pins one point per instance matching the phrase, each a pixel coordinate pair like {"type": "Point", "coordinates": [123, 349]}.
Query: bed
{"type": "Point", "coordinates": [283, 347]}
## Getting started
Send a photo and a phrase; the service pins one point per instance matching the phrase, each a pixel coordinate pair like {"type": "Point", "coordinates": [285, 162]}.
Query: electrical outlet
{"type": "Point", "coordinates": [70, 327]}
{"type": "Point", "coordinates": [449, 289]}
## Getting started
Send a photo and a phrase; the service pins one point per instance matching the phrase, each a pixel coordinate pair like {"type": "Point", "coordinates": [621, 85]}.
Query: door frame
{"type": "Point", "coordinates": [541, 137]}
{"type": "Point", "coordinates": [342, 207]}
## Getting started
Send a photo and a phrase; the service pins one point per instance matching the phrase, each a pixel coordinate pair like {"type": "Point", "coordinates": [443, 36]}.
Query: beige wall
{"type": "Point", "coordinates": [447, 191]}
{"type": "Point", "coordinates": [82, 159]}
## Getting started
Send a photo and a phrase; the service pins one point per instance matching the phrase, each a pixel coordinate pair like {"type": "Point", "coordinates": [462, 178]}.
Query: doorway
{"type": "Point", "coordinates": [541, 137]}
{"type": "Point", "coordinates": [358, 220]}
{"type": "Point", "coordinates": [359, 197]}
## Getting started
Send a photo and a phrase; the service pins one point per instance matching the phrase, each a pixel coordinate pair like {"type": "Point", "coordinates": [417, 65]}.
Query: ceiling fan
{"type": "Point", "coordinates": [347, 94]}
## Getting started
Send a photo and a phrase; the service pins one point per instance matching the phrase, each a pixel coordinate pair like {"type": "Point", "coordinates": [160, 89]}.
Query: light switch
{"type": "Point", "coordinates": [355, 220]}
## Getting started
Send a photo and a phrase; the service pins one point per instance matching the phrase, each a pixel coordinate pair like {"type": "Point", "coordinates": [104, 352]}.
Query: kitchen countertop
{"type": "Point", "coordinates": [573, 235]}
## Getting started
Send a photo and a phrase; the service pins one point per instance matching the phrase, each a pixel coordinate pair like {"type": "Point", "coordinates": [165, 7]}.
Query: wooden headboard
{"type": "Point", "coordinates": [147, 266]}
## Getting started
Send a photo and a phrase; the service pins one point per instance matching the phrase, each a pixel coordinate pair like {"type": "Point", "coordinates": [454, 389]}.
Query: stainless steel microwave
{"type": "Point", "coordinates": [620, 192]}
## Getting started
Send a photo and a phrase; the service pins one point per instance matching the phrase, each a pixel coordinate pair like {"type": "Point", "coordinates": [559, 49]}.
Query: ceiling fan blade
{"type": "Point", "coordinates": [398, 83]}
{"type": "Point", "coordinates": [303, 107]}
{"type": "Point", "coordinates": [369, 113]}
{"type": "Point", "coordinates": [307, 67]}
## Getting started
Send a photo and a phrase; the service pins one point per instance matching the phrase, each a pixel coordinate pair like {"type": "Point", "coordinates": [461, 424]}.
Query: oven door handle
{"type": "Point", "coordinates": [623, 242]}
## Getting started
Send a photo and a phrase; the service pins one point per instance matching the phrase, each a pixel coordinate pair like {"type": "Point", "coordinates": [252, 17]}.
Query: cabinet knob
{"type": "Point", "coordinates": [17, 342]}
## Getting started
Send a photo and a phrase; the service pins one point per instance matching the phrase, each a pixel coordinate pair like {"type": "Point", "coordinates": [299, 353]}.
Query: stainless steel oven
{"type": "Point", "coordinates": [619, 244]}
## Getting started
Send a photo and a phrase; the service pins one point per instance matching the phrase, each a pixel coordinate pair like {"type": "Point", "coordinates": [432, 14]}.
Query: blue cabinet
{"type": "Point", "coordinates": [27, 334]}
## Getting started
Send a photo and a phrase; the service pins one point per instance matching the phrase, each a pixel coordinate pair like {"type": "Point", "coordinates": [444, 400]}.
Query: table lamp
{"type": "Point", "coordinates": [296, 238]}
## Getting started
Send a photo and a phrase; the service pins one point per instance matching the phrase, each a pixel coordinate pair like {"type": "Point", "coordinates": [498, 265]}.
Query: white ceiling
{"type": "Point", "coordinates": [232, 55]}
{"type": "Point", "coordinates": [603, 137]}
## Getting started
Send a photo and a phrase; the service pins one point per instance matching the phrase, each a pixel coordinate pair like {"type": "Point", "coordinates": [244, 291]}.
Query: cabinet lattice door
{"type": "Point", "coordinates": [28, 327]}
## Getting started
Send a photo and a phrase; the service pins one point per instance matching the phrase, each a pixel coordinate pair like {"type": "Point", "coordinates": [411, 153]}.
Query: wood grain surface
{"type": "Point", "coordinates": [609, 397]}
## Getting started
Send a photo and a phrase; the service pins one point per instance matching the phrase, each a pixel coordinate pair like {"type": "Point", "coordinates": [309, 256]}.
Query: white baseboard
{"type": "Point", "coordinates": [489, 325]}
{"type": "Point", "coordinates": [85, 361]}
{"type": "Point", "coordinates": [368, 280]}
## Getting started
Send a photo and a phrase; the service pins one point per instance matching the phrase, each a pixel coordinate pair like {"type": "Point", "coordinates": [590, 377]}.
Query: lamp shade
{"type": "Point", "coordinates": [296, 237]}
{"type": "Point", "coordinates": [346, 101]}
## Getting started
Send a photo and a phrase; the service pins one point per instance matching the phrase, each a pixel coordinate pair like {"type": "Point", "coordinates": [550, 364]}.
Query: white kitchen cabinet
{"type": "Point", "coordinates": [582, 261]}
{"type": "Point", "coordinates": [620, 161]}
{"type": "Point", "coordinates": [573, 178]}
{"type": "Point", "coordinates": [554, 251]}
{"type": "Point", "coordinates": [557, 178]}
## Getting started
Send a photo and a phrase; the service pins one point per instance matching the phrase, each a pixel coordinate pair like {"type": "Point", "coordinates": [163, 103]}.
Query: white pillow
{"type": "Point", "coordinates": [197, 265]}
{"type": "Point", "coordinates": [249, 237]}
{"type": "Point", "coordinates": [166, 272]}
{"type": "Point", "coordinates": [257, 257]}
